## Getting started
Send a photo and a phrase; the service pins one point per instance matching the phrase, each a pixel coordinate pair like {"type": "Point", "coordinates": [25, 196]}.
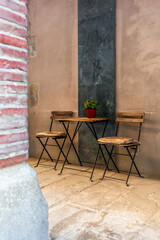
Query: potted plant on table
{"type": "Point", "coordinates": [90, 106]}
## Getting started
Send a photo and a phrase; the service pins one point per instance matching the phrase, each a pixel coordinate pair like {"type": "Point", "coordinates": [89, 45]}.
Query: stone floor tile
{"type": "Point", "coordinates": [101, 210]}
{"type": "Point", "coordinates": [65, 188]}
{"type": "Point", "coordinates": [81, 225]}
{"type": "Point", "coordinates": [99, 196]}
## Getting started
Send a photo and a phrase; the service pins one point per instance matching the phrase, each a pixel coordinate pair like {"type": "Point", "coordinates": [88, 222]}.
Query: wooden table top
{"type": "Point", "coordinates": [82, 119]}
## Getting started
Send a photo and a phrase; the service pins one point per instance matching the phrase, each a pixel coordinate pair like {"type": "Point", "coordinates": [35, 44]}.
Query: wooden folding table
{"type": "Point", "coordinates": [80, 121]}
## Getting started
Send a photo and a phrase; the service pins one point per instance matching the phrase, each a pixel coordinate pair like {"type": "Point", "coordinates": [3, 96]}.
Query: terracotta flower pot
{"type": "Point", "coordinates": [91, 113]}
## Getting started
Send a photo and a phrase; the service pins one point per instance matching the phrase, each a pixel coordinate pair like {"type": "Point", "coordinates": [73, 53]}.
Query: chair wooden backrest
{"type": "Point", "coordinates": [130, 117]}
{"type": "Point", "coordinates": [56, 114]}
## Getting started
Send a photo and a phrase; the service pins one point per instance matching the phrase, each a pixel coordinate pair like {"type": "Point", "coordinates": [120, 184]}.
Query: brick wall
{"type": "Point", "coordinates": [13, 82]}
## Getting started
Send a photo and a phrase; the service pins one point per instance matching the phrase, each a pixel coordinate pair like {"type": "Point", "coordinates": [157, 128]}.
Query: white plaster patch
{"type": "Point", "coordinates": [13, 154]}
{"type": "Point", "coordinates": [13, 71]}
{"type": "Point", "coordinates": [13, 47]}
{"type": "Point", "coordinates": [12, 11]}
{"type": "Point", "coordinates": [19, 2]}
{"type": "Point", "coordinates": [13, 36]}
{"type": "Point", "coordinates": [12, 131]}
{"type": "Point", "coordinates": [12, 144]}
{"type": "Point", "coordinates": [6, 57]}
{"type": "Point", "coordinates": [12, 24]}
{"type": "Point", "coordinates": [12, 105]}
{"type": "Point", "coordinates": [13, 83]}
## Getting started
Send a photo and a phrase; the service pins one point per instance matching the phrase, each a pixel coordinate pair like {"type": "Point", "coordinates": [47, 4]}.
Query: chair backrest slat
{"type": "Point", "coordinates": [130, 117]}
{"type": "Point", "coordinates": [55, 114]}
{"type": "Point", "coordinates": [130, 114]}
{"type": "Point", "coordinates": [130, 120]}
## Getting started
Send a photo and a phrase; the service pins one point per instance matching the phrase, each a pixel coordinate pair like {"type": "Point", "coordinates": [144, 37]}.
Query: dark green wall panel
{"type": "Point", "coordinates": [96, 46]}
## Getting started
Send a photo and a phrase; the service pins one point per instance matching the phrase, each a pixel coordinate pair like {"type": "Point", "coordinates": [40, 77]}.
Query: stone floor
{"type": "Point", "coordinates": [99, 210]}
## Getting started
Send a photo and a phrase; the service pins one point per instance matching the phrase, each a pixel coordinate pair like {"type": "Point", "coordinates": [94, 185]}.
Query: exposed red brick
{"type": "Point", "coordinates": [15, 117]}
{"type": "Point", "coordinates": [13, 160]}
{"type": "Point", "coordinates": [13, 112]}
{"type": "Point", "coordinates": [12, 41]}
{"type": "Point", "coordinates": [13, 99]}
{"type": "Point", "coordinates": [13, 52]}
{"type": "Point", "coordinates": [14, 6]}
{"type": "Point", "coordinates": [13, 89]}
{"type": "Point", "coordinates": [17, 122]}
{"type": "Point", "coordinates": [13, 137]}
{"type": "Point", "coordinates": [12, 29]}
{"type": "Point", "coordinates": [9, 64]}
{"type": "Point", "coordinates": [13, 17]}
{"type": "Point", "coordinates": [9, 76]}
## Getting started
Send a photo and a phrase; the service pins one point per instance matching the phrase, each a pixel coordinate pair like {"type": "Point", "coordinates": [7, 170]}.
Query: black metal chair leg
{"type": "Point", "coordinates": [134, 162]}
{"type": "Point", "coordinates": [132, 158]}
{"type": "Point", "coordinates": [61, 151]}
{"type": "Point", "coordinates": [104, 172]}
{"type": "Point", "coordinates": [95, 163]}
{"type": "Point", "coordinates": [41, 152]}
{"type": "Point", "coordinates": [110, 157]}
{"type": "Point", "coordinates": [93, 131]}
{"type": "Point", "coordinates": [65, 159]}
{"type": "Point", "coordinates": [63, 166]}
{"type": "Point", "coordinates": [57, 160]}
{"type": "Point", "coordinates": [45, 149]}
{"type": "Point", "coordinates": [129, 174]}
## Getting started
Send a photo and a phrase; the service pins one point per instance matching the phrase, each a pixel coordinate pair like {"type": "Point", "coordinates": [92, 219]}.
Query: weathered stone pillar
{"type": "Point", "coordinates": [23, 209]}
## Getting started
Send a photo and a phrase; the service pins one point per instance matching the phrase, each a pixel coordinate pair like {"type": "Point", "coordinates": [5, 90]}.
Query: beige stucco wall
{"type": "Point", "coordinates": [53, 68]}
{"type": "Point", "coordinates": [53, 63]}
{"type": "Point", "coordinates": [138, 71]}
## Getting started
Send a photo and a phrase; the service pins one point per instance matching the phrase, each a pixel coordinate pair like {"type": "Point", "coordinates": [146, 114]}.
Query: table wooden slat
{"type": "Point", "coordinates": [82, 119]}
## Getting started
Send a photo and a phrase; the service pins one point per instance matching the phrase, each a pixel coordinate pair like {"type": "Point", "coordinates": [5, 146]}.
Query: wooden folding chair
{"type": "Point", "coordinates": [130, 144]}
{"type": "Point", "coordinates": [54, 135]}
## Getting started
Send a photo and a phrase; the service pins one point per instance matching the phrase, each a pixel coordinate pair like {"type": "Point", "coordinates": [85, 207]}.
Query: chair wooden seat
{"type": "Point", "coordinates": [118, 141]}
{"type": "Point", "coordinates": [50, 134]}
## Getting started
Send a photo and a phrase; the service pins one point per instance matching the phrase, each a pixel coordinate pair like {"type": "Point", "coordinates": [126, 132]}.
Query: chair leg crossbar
{"type": "Point", "coordinates": [45, 149]}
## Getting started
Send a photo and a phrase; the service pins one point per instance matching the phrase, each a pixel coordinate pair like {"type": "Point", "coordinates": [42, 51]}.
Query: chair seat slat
{"type": "Point", "coordinates": [122, 141]}
{"type": "Point", "coordinates": [50, 134]}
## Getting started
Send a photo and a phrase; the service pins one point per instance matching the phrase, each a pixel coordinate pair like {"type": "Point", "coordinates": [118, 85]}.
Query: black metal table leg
{"type": "Point", "coordinates": [79, 124]}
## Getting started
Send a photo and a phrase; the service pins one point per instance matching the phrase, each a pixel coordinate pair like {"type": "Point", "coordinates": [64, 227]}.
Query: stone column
{"type": "Point", "coordinates": [23, 209]}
